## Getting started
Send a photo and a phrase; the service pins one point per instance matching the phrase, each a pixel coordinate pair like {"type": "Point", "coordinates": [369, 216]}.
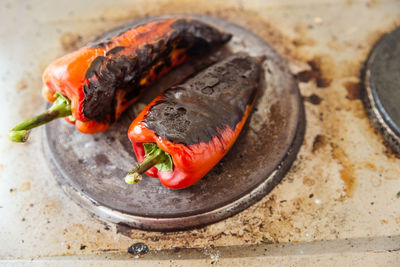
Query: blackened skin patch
{"type": "Point", "coordinates": [206, 104]}
{"type": "Point", "coordinates": [122, 69]}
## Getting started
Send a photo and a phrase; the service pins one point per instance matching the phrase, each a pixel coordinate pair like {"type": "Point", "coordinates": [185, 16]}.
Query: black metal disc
{"type": "Point", "coordinates": [382, 88]}
{"type": "Point", "coordinates": [91, 168]}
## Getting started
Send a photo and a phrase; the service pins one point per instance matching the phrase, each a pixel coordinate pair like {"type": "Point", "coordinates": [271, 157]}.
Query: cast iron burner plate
{"type": "Point", "coordinates": [381, 94]}
{"type": "Point", "coordinates": [91, 168]}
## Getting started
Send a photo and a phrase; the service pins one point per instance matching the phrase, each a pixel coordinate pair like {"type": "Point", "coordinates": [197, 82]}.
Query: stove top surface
{"type": "Point", "coordinates": [340, 193]}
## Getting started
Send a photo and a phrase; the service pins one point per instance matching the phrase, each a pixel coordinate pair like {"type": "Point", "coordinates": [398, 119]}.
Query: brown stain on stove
{"type": "Point", "coordinates": [313, 99]}
{"type": "Point", "coordinates": [302, 38]}
{"type": "Point", "coordinates": [347, 173]}
{"type": "Point", "coordinates": [320, 141]}
{"type": "Point", "coordinates": [308, 181]}
{"type": "Point", "coordinates": [51, 207]}
{"type": "Point", "coordinates": [370, 166]}
{"type": "Point", "coordinates": [321, 68]}
{"type": "Point", "coordinates": [353, 90]}
{"type": "Point", "coordinates": [71, 41]}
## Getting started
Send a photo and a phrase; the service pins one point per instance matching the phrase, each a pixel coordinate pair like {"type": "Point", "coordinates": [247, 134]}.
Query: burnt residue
{"type": "Point", "coordinates": [314, 74]}
{"type": "Point", "coordinates": [124, 229]}
{"type": "Point", "coordinates": [124, 68]}
{"type": "Point", "coordinates": [101, 159]}
{"type": "Point", "coordinates": [138, 249]}
{"type": "Point", "coordinates": [305, 76]}
{"type": "Point", "coordinates": [313, 99]}
{"type": "Point", "coordinates": [347, 172]}
{"type": "Point", "coordinates": [319, 142]}
{"type": "Point", "coordinates": [353, 90]}
{"type": "Point", "coordinates": [206, 104]}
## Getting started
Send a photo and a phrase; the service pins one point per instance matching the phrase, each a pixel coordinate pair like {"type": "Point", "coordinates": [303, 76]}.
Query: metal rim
{"type": "Point", "coordinates": [196, 220]}
{"type": "Point", "coordinates": [373, 106]}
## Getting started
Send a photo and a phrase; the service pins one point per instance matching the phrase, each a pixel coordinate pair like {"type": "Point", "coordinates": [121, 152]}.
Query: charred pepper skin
{"type": "Point", "coordinates": [103, 78]}
{"type": "Point", "coordinates": [197, 122]}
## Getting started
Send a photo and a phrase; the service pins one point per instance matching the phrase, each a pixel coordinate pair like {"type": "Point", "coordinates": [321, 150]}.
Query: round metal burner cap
{"type": "Point", "coordinates": [382, 88]}
{"type": "Point", "coordinates": [90, 168]}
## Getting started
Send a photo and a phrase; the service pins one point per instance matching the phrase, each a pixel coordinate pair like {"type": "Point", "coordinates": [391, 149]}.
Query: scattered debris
{"type": "Point", "coordinates": [138, 249]}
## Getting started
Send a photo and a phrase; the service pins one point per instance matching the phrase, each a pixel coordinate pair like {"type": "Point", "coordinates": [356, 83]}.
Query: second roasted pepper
{"type": "Point", "coordinates": [183, 133]}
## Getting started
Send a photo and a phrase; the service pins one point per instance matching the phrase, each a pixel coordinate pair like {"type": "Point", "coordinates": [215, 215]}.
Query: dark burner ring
{"type": "Point", "coordinates": [381, 95]}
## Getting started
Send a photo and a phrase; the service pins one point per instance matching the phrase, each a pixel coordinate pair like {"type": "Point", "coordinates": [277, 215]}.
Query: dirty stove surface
{"type": "Point", "coordinates": [340, 191]}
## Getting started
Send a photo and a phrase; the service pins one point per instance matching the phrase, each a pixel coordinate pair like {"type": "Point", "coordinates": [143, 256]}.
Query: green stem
{"type": "Point", "coordinates": [60, 108]}
{"type": "Point", "coordinates": [156, 156]}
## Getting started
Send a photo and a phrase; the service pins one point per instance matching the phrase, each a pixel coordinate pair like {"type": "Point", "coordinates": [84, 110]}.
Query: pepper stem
{"type": "Point", "coordinates": [154, 157]}
{"type": "Point", "coordinates": [60, 108]}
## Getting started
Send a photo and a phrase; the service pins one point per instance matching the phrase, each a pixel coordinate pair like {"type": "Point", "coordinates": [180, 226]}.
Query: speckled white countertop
{"type": "Point", "coordinates": [336, 206]}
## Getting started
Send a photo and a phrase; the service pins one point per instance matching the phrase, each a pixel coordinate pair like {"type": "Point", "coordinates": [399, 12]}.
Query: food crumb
{"type": "Point", "coordinates": [82, 247]}
{"type": "Point", "coordinates": [67, 246]}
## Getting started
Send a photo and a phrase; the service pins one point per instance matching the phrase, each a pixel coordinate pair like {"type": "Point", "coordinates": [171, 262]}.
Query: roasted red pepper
{"type": "Point", "coordinates": [184, 132]}
{"type": "Point", "coordinates": [99, 81]}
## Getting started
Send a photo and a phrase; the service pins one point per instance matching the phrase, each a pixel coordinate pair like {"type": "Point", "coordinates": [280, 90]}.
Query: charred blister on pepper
{"type": "Point", "coordinates": [198, 121]}
{"type": "Point", "coordinates": [103, 78]}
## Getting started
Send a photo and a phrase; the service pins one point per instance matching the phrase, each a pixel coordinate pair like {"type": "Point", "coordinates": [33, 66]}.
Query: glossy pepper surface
{"type": "Point", "coordinates": [197, 122]}
{"type": "Point", "coordinates": [103, 78]}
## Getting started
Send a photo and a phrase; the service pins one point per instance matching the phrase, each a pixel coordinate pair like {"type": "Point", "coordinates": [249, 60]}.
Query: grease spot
{"type": "Point", "coordinates": [316, 73]}
{"type": "Point", "coordinates": [370, 166]}
{"type": "Point", "coordinates": [321, 80]}
{"type": "Point", "coordinates": [308, 181]}
{"type": "Point", "coordinates": [313, 99]}
{"type": "Point", "coordinates": [347, 173]}
{"type": "Point", "coordinates": [319, 142]}
{"type": "Point", "coordinates": [353, 90]}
